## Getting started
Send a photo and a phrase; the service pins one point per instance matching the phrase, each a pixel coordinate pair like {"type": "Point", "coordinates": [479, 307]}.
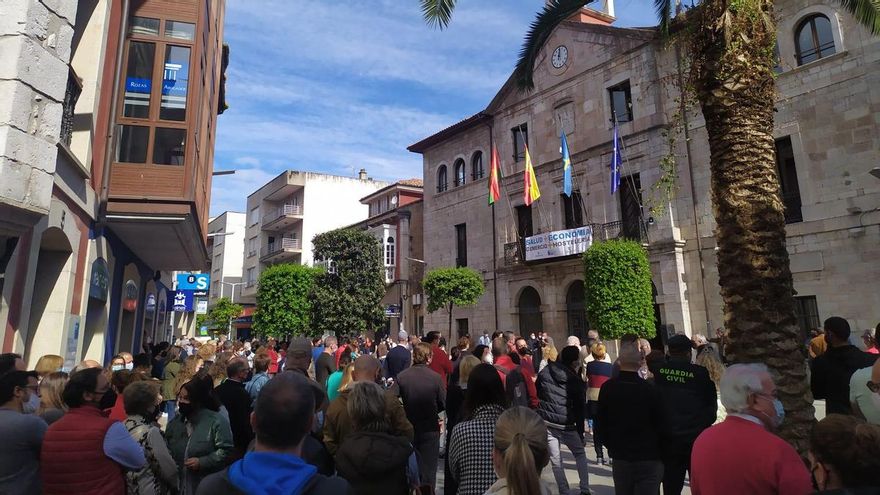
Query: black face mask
{"type": "Point", "coordinates": [157, 413]}
{"type": "Point", "coordinates": [185, 409]}
{"type": "Point", "coordinates": [108, 400]}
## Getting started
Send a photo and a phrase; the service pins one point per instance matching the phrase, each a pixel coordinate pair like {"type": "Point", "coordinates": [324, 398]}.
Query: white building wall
{"type": "Point", "coordinates": [331, 202]}
{"type": "Point", "coordinates": [228, 255]}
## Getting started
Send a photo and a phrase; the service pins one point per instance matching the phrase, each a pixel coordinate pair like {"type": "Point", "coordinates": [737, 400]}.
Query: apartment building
{"type": "Point", "coordinates": [396, 221]}
{"type": "Point", "coordinates": [108, 113]}
{"type": "Point", "coordinates": [285, 215]}
{"type": "Point", "coordinates": [226, 243]}
{"type": "Point", "coordinates": [827, 142]}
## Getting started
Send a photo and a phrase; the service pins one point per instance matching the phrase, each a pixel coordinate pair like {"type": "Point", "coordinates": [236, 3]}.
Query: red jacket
{"type": "Point", "coordinates": [117, 412]}
{"type": "Point", "coordinates": [508, 364]}
{"type": "Point", "coordinates": [72, 459]}
{"type": "Point", "coordinates": [738, 456]}
{"type": "Point", "coordinates": [441, 364]}
{"type": "Point", "coordinates": [273, 361]}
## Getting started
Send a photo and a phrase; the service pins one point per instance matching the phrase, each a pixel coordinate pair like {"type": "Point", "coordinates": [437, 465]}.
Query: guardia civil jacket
{"type": "Point", "coordinates": [688, 395]}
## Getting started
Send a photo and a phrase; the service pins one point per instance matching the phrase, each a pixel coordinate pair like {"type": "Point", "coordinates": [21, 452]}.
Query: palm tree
{"type": "Point", "coordinates": [731, 46]}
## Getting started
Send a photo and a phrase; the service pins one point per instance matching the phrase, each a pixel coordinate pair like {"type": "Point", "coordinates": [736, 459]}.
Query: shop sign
{"type": "Point", "coordinates": [392, 311]}
{"type": "Point", "coordinates": [198, 283]}
{"type": "Point", "coordinates": [558, 243]}
{"type": "Point", "coordinates": [181, 301]}
{"type": "Point", "coordinates": [99, 282]}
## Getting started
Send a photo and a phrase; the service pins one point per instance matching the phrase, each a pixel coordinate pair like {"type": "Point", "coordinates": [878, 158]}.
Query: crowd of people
{"type": "Point", "coordinates": [352, 415]}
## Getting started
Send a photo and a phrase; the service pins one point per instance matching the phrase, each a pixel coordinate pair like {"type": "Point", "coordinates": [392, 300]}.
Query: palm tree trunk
{"type": "Point", "coordinates": [732, 68]}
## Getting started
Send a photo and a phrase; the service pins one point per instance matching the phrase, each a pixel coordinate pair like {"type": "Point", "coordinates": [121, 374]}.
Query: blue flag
{"type": "Point", "coordinates": [566, 165]}
{"type": "Point", "coordinates": [616, 162]}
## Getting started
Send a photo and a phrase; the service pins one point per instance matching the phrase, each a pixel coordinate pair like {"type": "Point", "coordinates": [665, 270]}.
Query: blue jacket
{"type": "Point", "coordinates": [254, 386]}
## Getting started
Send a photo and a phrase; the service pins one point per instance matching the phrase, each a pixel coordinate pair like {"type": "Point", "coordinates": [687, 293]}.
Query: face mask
{"type": "Point", "coordinates": [184, 409]}
{"type": "Point", "coordinates": [157, 413]}
{"type": "Point", "coordinates": [487, 358]}
{"type": "Point", "coordinates": [780, 412]}
{"type": "Point", "coordinates": [117, 367]}
{"type": "Point", "coordinates": [129, 366]}
{"type": "Point", "coordinates": [31, 406]}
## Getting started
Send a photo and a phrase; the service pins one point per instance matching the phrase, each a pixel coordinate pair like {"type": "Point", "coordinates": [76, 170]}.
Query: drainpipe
{"type": "Point", "coordinates": [687, 143]}
{"type": "Point", "coordinates": [111, 127]}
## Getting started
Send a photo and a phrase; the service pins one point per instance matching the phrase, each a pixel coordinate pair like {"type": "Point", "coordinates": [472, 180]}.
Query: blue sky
{"type": "Point", "coordinates": [337, 85]}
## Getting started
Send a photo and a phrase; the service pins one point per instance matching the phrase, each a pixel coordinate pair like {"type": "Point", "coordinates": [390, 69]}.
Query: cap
{"type": "Point", "coordinates": [402, 335]}
{"type": "Point", "coordinates": [300, 345]}
{"type": "Point", "coordinates": [679, 343]}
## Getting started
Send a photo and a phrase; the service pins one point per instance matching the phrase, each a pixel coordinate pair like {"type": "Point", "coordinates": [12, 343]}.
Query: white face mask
{"type": "Point", "coordinates": [487, 358]}
{"type": "Point", "coordinates": [117, 367]}
{"type": "Point", "coordinates": [31, 406]}
{"type": "Point", "coordinates": [129, 366]}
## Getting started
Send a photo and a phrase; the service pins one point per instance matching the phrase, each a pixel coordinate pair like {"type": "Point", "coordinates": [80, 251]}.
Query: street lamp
{"type": "Point", "coordinates": [233, 284]}
{"type": "Point", "coordinates": [220, 234]}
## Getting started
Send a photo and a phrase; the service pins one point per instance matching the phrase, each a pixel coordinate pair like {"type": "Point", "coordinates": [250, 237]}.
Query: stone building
{"type": "Point", "coordinates": [396, 220]}
{"type": "Point", "coordinates": [590, 74]}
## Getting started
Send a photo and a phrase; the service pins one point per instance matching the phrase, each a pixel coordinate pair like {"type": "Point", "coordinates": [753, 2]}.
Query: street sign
{"type": "Point", "coordinates": [198, 283]}
{"type": "Point", "coordinates": [180, 301]}
{"type": "Point", "coordinates": [392, 311]}
{"type": "Point", "coordinates": [202, 307]}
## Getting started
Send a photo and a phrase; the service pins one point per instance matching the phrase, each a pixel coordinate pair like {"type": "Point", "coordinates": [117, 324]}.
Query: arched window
{"type": "Point", "coordinates": [477, 165]}
{"type": "Point", "coordinates": [459, 167]}
{"type": "Point", "coordinates": [389, 252]}
{"type": "Point", "coordinates": [814, 39]}
{"type": "Point", "coordinates": [442, 183]}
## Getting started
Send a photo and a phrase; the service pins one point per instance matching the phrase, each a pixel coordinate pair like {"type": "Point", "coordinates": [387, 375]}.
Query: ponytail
{"type": "Point", "coordinates": [519, 464]}
{"type": "Point", "coordinates": [521, 439]}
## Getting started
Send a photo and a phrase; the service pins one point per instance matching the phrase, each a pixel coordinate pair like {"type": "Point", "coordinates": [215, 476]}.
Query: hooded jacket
{"type": "Point", "coordinates": [561, 397]}
{"type": "Point", "coordinates": [831, 373]}
{"type": "Point", "coordinates": [374, 463]}
{"type": "Point", "coordinates": [269, 473]}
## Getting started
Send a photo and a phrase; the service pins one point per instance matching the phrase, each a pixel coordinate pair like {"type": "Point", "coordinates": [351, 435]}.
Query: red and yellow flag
{"type": "Point", "coordinates": [494, 178]}
{"type": "Point", "coordinates": [531, 193]}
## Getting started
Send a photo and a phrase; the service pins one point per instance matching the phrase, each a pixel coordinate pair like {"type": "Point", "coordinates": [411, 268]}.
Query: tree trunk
{"type": "Point", "coordinates": [732, 68]}
{"type": "Point", "coordinates": [449, 338]}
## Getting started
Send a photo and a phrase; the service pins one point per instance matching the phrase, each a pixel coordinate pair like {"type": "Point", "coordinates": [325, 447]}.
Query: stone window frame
{"type": "Point", "coordinates": [485, 172]}
{"type": "Point", "coordinates": [635, 96]}
{"type": "Point", "coordinates": [445, 186]}
{"type": "Point", "coordinates": [459, 160]}
{"type": "Point", "coordinates": [817, 47]}
{"type": "Point", "coordinates": [787, 31]}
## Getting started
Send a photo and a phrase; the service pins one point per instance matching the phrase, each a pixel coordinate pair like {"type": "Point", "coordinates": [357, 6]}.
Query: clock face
{"type": "Point", "coordinates": [560, 56]}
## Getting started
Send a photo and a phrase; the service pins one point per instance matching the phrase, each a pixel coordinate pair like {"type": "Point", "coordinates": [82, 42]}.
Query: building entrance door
{"type": "Point", "coordinates": [576, 310]}
{"type": "Point", "coordinates": [529, 309]}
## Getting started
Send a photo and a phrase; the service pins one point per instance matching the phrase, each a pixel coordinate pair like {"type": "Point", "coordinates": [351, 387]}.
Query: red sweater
{"type": "Point", "coordinates": [441, 364]}
{"type": "Point", "coordinates": [738, 456]}
{"type": "Point", "coordinates": [508, 364]}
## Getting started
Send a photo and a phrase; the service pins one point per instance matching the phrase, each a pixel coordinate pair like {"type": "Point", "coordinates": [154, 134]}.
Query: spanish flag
{"type": "Point", "coordinates": [494, 178]}
{"type": "Point", "coordinates": [531, 192]}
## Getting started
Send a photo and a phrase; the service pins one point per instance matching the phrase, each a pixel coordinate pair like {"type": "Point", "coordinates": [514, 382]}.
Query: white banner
{"type": "Point", "coordinates": [559, 243]}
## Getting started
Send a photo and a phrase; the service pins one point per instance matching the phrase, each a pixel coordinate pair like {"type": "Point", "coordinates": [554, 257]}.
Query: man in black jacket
{"type": "Point", "coordinates": [561, 400]}
{"type": "Point", "coordinates": [691, 407]}
{"type": "Point", "coordinates": [832, 370]}
{"type": "Point", "coordinates": [423, 395]}
{"type": "Point", "coordinates": [631, 422]}
{"type": "Point", "coordinates": [237, 402]}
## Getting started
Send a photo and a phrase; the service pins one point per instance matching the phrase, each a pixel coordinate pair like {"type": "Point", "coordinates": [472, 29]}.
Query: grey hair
{"type": "Point", "coordinates": [573, 340]}
{"type": "Point", "coordinates": [629, 355]}
{"type": "Point", "coordinates": [330, 340]}
{"type": "Point", "coordinates": [366, 407]}
{"type": "Point", "coordinates": [739, 382]}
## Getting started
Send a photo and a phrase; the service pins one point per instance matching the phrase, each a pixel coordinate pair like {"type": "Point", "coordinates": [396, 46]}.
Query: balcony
{"type": "Point", "coordinates": [513, 251]}
{"type": "Point", "coordinates": [282, 218]}
{"type": "Point", "coordinates": [281, 251]}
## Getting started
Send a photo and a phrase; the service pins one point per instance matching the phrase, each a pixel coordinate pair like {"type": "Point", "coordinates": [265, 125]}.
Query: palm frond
{"type": "Point", "coordinates": [664, 15]}
{"type": "Point", "coordinates": [555, 11]}
{"type": "Point", "coordinates": [867, 12]}
{"type": "Point", "coordinates": [437, 13]}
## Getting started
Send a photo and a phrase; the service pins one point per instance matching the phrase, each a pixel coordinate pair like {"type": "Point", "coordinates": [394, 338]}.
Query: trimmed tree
{"type": "Point", "coordinates": [349, 300]}
{"type": "Point", "coordinates": [283, 304]}
{"type": "Point", "coordinates": [617, 280]}
{"type": "Point", "coordinates": [448, 287]}
{"type": "Point", "coordinates": [221, 315]}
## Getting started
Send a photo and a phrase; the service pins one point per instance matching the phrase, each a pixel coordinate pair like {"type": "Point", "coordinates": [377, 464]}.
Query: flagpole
{"type": "Point", "coordinates": [492, 155]}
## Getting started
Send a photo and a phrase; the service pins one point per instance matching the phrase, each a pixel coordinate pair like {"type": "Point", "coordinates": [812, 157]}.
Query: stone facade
{"type": "Point", "coordinates": [829, 109]}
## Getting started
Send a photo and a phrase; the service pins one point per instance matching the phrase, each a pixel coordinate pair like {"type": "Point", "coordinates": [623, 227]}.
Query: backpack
{"type": "Point", "coordinates": [515, 386]}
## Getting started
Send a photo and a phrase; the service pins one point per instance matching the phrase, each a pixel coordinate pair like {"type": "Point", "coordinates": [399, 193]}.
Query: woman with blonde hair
{"type": "Point", "coordinates": [218, 367]}
{"type": "Point", "coordinates": [52, 407]}
{"type": "Point", "coordinates": [598, 371]}
{"type": "Point", "coordinates": [48, 363]}
{"type": "Point", "coordinates": [548, 354]}
{"type": "Point", "coordinates": [520, 453]}
{"type": "Point", "coordinates": [191, 366]}
{"type": "Point", "coordinates": [709, 359]}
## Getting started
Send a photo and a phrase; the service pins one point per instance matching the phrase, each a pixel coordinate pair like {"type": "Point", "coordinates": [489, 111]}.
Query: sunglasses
{"type": "Point", "coordinates": [873, 387]}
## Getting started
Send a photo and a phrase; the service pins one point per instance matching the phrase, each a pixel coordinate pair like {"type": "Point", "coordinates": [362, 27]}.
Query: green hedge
{"type": "Point", "coordinates": [283, 305]}
{"type": "Point", "coordinates": [617, 279]}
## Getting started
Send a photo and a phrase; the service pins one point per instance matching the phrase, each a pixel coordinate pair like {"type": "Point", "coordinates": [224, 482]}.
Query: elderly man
{"type": "Point", "coordinates": [741, 454]}
{"type": "Point", "coordinates": [338, 425]}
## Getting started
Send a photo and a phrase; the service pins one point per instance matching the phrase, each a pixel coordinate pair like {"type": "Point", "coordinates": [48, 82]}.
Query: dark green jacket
{"type": "Point", "coordinates": [210, 442]}
{"type": "Point", "coordinates": [169, 380]}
